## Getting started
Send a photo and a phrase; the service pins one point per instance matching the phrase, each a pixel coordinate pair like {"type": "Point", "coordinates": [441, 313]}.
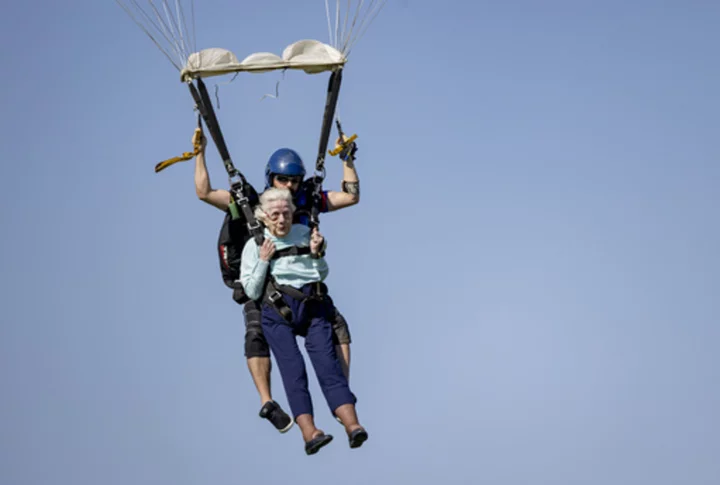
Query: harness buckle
{"type": "Point", "coordinates": [254, 226]}
{"type": "Point", "coordinates": [274, 297]}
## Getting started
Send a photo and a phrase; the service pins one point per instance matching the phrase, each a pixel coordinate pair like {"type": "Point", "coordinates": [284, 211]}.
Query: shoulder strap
{"type": "Point", "coordinates": [239, 197]}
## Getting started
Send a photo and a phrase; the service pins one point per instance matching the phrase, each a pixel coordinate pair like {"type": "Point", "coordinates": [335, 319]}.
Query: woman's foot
{"type": "Point", "coordinates": [357, 437]}
{"type": "Point", "coordinates": [318, 441]}
{"type": "Point", "coordinates": [313, 437]}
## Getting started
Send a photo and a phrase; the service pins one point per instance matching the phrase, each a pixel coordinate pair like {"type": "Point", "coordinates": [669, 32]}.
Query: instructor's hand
{"type": "Point", "coordinates": [316, 241]}
{"type": "Point", "coordinates": [199, 140]}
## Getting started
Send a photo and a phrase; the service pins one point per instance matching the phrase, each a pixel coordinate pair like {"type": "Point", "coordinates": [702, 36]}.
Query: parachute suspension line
{"type": "Point", "coordinates": [147, 31]}
{"type": "Point", "coordinates": [194, 31]}
{"type": "Point", "coordinates": [337, 22]}
{"type": "Point", "coordinates": [327, 14]}
{"type": "Point", "coordinates": [166, 28]}
{"type": "Point", "coordinates": [346, 36]}
{"type": "Point", "coordinates": [345, 24]}
{"type": "Point", "coordinates": [343, 37]}
{"type": "Point", "coordinates": [175, 32]}
{"type": "Point", "coordinates": [182, 22]}
{"type": "Point", "coordinates": [370, 15]}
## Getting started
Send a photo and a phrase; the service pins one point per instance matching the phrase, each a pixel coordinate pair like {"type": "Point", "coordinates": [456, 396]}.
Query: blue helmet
{"type": "Point", "coordinates": [283, 162]}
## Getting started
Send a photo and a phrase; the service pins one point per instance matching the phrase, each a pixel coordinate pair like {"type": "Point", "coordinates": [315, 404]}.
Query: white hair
{"type": "Point", "coordinates": [268, 197]}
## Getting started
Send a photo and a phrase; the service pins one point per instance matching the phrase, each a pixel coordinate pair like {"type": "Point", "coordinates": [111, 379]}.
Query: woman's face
{"type": "Point", "coordinates": [279, 218]}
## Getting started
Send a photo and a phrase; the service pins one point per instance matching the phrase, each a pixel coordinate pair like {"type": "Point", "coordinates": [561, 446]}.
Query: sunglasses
{"type": "Point", "coordinates": [283, 179]}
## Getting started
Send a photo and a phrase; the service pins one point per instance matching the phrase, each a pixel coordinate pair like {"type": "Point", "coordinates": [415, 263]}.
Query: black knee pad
{"type": "Point", "coordinates": [255, 343]}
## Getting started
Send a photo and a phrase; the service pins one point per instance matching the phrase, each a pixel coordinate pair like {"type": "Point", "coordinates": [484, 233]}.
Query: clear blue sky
{"type": "Point", "coordinates": [531, 277]}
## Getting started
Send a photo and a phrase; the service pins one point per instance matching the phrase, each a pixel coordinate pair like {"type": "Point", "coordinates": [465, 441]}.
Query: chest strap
{"type": "Point", "coordinates": [290, 251]}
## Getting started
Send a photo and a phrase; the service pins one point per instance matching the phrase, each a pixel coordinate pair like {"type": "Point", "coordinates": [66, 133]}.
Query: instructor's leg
{"type": "Point", "coordinates": [257, 353]}
{"type": "Point", "coordinates": [343, 352]}
{"type": "Point", "coordinates": [341, 338]}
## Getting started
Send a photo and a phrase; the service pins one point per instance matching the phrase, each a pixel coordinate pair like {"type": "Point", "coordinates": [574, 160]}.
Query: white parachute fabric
{"type": "Point", "coordinates": [311, 56]}
{"type": "Point", "coordinates": [170, 24]}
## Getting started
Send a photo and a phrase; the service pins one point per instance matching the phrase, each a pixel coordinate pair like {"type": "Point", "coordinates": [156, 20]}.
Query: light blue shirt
{"type": "Point", "coordinates": [295, 271]}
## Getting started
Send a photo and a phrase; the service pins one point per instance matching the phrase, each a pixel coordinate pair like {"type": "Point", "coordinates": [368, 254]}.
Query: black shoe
{"type": "Point", "coordinates": [358, 437]}
{"type": "Point", "coordinates": [279, 418]}
{"type": "Point", "coordinates": [314, 445]}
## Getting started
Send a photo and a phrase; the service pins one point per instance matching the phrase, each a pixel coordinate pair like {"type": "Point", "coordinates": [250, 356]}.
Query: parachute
{"type": "Point", "coordinates": [167, 24]}
{"type": "Point", "coordinates": [171, 27]}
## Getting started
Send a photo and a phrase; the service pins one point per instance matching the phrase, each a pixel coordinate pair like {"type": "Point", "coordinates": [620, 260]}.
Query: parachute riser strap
{"type": "Point", "coordinates": [331, 99]}
{"type": "Point", "coordinates": [239, 198]}
{"type": "Point", "coordinates": [204, 106]}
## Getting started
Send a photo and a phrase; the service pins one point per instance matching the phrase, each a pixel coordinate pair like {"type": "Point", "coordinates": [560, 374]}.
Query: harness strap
{"type": "Point", "coordinates": [291, 251]}
{"type": "Point", "coordinates": [240, 199]}
{"type": "Point", "coordinates": [274, 296]}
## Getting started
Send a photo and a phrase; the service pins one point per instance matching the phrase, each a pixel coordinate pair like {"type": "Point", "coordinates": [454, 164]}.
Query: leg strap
{"type": "Point", "coordinates": [274, 296]}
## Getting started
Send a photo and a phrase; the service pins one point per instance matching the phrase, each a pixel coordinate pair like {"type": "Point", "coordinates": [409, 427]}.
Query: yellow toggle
{"type": "Point", "coordinates": [342, 146]}
{"type": "Point", "coordinates": [184, 157]}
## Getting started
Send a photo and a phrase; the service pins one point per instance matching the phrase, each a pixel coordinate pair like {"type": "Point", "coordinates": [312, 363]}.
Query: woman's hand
{"type": "Point", "coordinates": [267, 250]}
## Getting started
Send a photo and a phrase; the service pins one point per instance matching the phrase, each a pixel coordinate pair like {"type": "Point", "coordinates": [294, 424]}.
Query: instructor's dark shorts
{"type": "Point", "coordinates": [257, 346]}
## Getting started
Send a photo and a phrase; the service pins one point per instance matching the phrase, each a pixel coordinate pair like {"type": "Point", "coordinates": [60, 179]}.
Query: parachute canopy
{"type": "Point", "coordinates": [171, 26]}
{"type": "Point", "coordinates": [311, 56]}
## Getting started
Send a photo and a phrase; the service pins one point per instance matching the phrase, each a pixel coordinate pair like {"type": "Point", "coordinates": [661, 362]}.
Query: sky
{"type": "Point", "coordinates": [531, 278]}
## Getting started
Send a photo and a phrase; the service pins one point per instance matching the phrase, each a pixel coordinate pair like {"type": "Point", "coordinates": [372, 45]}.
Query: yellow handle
{"type": "Point", "coordinates": [185, 156]}
{"type": "Point", "coordinates": [171, 161]}
{"type": "Point", "coordinates": [341, 146]}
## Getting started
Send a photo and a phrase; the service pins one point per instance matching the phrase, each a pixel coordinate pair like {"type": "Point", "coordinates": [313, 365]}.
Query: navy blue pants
{"type": "Point", "coordinates": [310, 320]}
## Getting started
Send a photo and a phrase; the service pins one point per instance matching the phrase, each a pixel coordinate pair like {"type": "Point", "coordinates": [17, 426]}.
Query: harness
{"type": "Point", "coordinates": [273, 293]}
{"type": "Point", "coordinates": [240, 189]}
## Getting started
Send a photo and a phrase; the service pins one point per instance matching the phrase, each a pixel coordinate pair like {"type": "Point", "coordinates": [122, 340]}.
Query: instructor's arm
{"type": "Point", "coordinates": [215, 197]}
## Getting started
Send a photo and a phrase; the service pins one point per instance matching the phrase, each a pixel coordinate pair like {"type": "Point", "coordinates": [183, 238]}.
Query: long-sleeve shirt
{"type": "Point", "coordinates": [294, 271]}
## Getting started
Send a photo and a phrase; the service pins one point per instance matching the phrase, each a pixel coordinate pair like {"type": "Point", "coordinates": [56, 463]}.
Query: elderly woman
{"type": "Point", "coordinates": [286, 273]}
